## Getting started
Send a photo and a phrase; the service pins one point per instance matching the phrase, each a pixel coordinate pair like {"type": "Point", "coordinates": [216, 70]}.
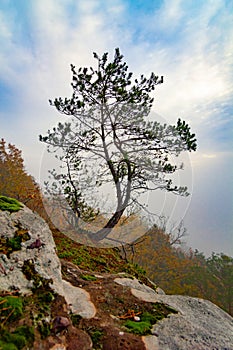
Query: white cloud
{"type": "Point", "coordinates": [196, 61]}
{"type": "Point", "coordinates": [196, 65]}
{"type": "Point", "coordinates": [209, 156]}
{"type": "Point", "coordinates": [169, 16]}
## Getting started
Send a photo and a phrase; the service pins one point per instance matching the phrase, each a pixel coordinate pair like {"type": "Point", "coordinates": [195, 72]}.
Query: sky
{"type": "Point", "coordinates": [189, 42]}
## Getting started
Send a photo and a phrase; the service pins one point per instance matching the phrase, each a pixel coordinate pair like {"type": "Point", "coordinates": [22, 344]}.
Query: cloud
{"type": "Point", "coordinates": [193, 51]}
{"type": "Point", "coordinates": [209, 156]}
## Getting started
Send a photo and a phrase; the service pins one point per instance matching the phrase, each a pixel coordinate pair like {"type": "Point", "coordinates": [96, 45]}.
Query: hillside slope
{"type": "Point", "coordinates": [47, 303]}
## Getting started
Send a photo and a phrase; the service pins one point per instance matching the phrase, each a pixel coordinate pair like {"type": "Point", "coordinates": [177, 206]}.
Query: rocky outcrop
{"type": "Point", "coordinates": [199, 325]}
{"type": "Point", "coordinates": [33, 245]}
{"type": "Point", "coordinates": [103, 303]}
{"type": "Point", "coordinates": [27, 239]}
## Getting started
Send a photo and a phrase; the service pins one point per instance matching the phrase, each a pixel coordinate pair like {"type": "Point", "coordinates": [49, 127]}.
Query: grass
{"type": "Point", "coordinates": [95, 259]}
{"type": "Point", "coordinates": [11, 310]}
{"type": "Point", "coordinates": [88, 278]}
{"type": "Point", "coordinates": [88, 258]}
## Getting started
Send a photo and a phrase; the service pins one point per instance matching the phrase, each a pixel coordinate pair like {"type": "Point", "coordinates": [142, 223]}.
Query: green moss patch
{"type": "Point", "coordinates": [9, 204]}
{"type": "Point", "coordinates": [11, 308]}
{"type": "Point", "coordinates": [18, 339]}
{"type": "Point", "coordinates": [96, 334]}
{"type": "Point", "coordinates": [141, 328]}
{"type": "Point", "coordinates": [88, 277]}
{"type": "Point", "coordinates": [9, 245]}
{"type": "Point", "coordinates": [148, 319]}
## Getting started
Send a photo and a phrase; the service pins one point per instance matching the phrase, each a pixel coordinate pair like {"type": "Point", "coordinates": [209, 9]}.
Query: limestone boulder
{"type": "Point", "coordinates": [38, 249]}
{"type": "Point", "coordinates": [199, 325]}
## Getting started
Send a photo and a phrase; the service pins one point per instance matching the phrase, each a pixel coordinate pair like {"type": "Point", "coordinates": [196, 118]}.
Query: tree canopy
{"type": "Point", "coordinates": [111, 141]}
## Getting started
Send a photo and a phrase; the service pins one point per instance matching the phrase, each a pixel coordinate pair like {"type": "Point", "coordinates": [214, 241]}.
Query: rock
{"type": "Point", "coordinates": [58, 347]}
{"type": "Point", "coordinates": [43, 257]}
{"type": "Point", "coordinates": [139, 290]}
{"type": "Point", "coordinates": [160, 291]}
{"type": "Point", "coordinates": [199, 325]}
{"type": "Point", "coordinates": [40, 252]}
{"type": "Point", "coordinates": [60, 323]}
{"type": "Point", "coordinates": [151, 342]}
{"type": "Point", "coordinates": [78, 300]}
{"type": "Point", "coordinates": [133, 283]}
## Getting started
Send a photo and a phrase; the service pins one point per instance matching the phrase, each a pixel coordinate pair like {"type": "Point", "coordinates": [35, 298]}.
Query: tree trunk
{"type": "Point", "coordinates": [105, 231]}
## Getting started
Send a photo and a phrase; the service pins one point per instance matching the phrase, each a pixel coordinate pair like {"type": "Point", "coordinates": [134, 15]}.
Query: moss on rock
{"type": "Point", "coordinates": [144, 325]}
{"type": "Point", "coordinates": [9, 204]}
{"type": "Point", "coordinates": [9, 245]}
{"type": "Point", "coordinates": [18, 339]}
{"type": "Point", "coordinates": [11, 308]}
